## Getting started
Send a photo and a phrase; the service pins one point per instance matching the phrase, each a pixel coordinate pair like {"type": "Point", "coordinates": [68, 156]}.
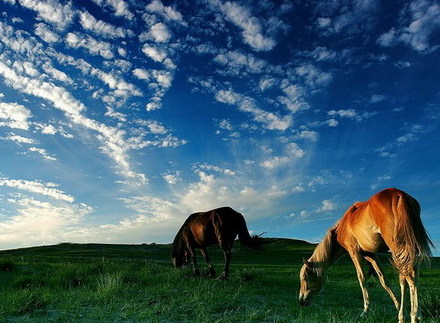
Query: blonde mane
{"type": "Point", "coordinates": [327, 251]}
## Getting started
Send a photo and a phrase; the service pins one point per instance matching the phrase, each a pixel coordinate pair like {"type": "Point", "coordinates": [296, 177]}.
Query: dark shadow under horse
{"type": "Point", "coordinates": [203, 229]}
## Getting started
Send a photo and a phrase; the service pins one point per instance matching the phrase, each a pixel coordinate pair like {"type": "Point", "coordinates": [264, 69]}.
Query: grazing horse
{"type": "Point", "coordinates": [389, 220]}
{"type": "Point", "coordinates": [203, 229]}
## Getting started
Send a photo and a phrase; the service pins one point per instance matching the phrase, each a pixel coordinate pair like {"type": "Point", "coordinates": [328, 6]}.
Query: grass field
{"type": "Point", "coordinates": [136, 283]}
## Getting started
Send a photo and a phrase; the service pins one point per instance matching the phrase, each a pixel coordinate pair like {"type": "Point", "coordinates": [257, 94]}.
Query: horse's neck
{"type": "Point", "coordinates": [327, 251]}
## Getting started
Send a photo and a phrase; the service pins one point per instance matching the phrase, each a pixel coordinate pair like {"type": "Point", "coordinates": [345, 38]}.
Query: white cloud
{"type": "Point", "coordinates": [168, 13]}
{"type": "Point", "coordinates": [112, 139]}
{"type": "Point", "coordinates": [120, 87]}
{"type": "Point", "coordinates": [238, 63]}
{"type": "Point", "coordinates": [412, 132]}
{"type": "Point", "coordinates": [376, 98]}
{"type": "Point", "coordinates": [347, 16]}
{"type": "Point", "coordinates": [225, 125]}
{"type": "Point", "coordinates": [45, 189]}
{"type": "Point", "coordinates": [43, 153]}
{"type": "Point", "coordinates": [292, 153]}
{"type": "Point", "coordinates": [275, 162]}
{"type": "Point", "coordinates": [160, 33]}
{"type": "Point", "coordinates": [172, 178]}
{"type": "Point", "coordinates": [252, 30]}
{"type": "Point", "coordinates": [420, 20]}
{"type": "Point", "coordinates": [309, 135]}
{"type": "Point", "coordinates": [313, 77]}
{"type": "Point", "coordinates": [120, 7]}
{"type": "Point", "coordinates": [156, 54]}
{"type": "Point", "coordinates": [246, 104]}
{"type": "Point", "coordinates": [57, 74]}
{"type": "Point", "coordinates": [91, 45]}
{"type": "Point", "coordinates": [227, 96]}
{"type": "Point", "coordinates": [49, 129]}
{"type": "Point", "coordinates": [19, 139]}
{"type": "Point", "coordinates": [100, 27]}
{"type": "Point", "coordinates": [321, 53]}
{"type": "Point", "coordinates": [206, 168]}
{"type": "Point", "coordinates": [51, 11]}
{"type": "Point", "coordinates": [154, 127]}
{"type": "Point", "coordinates": [348, 113]}
{"type": "Point", "coordinates": [266, 83]}
{"type": "Point", "coordinates": [141, 74]}
{"type": "Point", "coordinates": [38, 222]}
{"type": "Point", "coordinates": [14, 115]}
{"type": "Point", "coordinates": [326, 206]}
{"type": "Point", "coordinates": [46, 33]}
{"type": "Point", "coordinates": [117, 115]}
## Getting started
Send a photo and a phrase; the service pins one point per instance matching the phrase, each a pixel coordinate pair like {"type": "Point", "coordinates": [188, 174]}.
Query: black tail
{"type": "Point", "coordinates": [245, 238]}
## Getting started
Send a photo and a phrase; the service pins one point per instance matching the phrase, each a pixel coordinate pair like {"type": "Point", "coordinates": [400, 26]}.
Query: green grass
{"type": "Point", "coordinates": [136, 283]}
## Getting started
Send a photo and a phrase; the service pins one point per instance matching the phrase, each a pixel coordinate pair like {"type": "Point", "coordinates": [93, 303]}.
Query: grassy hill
{"type": "Point", "coordinates": [137, 283]}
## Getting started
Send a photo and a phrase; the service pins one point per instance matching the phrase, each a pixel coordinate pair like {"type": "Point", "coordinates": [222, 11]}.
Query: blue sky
{"type": "Point", "coordinates": [120, 118]}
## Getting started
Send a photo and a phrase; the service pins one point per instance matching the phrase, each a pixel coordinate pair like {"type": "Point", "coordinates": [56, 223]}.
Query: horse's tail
{"type": "Point", "coordinates": [410, 236]}
{"type": "Point", "coordinates": [245, 238]}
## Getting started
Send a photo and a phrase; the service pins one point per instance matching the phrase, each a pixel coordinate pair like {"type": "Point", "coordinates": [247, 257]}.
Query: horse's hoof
{"type": "Point", "coordinates": [223, 276]}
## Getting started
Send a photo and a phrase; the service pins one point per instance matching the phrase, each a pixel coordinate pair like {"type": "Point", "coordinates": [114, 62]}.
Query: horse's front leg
{"type": "Point", "coordinates": [356, 258]}
{"type": "Point", "coordinates": [196, 270]}
{"type": "Point", "coordinates": [208, 262]}
{"type": "Point", "coordinates": [227, 253]}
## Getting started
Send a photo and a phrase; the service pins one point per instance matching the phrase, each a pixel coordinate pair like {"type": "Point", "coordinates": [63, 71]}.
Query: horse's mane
{"type": "Point", "coordinates": [178, 244]}
{"type": "Point", "coordinates": [326, 252]}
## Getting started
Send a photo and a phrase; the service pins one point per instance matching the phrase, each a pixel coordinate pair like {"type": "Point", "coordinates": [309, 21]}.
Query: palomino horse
{"type": "Point", "coordinates": [203, 229]}
{"type": "Point", "coordinates": [389, 220]}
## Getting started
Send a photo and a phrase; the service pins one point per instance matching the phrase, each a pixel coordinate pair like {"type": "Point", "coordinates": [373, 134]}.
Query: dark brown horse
{"type": "Point", "coordinates": [203, 229]}
{"type": "Point", "coordinates": [389, 220]}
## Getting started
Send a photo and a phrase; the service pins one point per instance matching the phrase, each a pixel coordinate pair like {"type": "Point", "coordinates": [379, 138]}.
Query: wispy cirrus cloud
{"type": "Point", "coordinates": [114, 144]}
{"type": "Point", "coordinates": [419, 21]}
{"type": "Point", "coordinates": [350, 114]}
{"type": "Point", "coordinates": [253, 33]}
{"type": "Point", "coordinates": [348, 17]}
{"type": "Point", "coordinates": [41, 188]}
{"type": "Point", "coordinates": [246, 104]}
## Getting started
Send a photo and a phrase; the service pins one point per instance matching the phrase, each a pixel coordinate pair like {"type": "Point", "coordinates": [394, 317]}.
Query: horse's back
{"type": "Point", "coordinates": [370, 224]}
{"type": "Point", "coordinates": [209, 227]}
{"type": "Point", "coordinates": [378, 223]}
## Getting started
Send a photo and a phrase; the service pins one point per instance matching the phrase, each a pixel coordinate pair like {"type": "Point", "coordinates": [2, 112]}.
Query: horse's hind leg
{"type": "Point", "coordinates": [402, 282]}
{"type": "Point", "coordinates": [208, 262]}
{"type": "Point", "coordinates": [415, 312]}
{"type": "Point", "coordinates": [373, 261]}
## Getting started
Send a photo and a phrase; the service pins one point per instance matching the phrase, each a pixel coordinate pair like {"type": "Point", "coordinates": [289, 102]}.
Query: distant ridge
{"type": "Point", "coordinates": [69, 248]}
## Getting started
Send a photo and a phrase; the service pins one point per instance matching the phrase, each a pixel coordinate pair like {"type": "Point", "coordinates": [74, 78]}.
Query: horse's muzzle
{"type": "Point", "coordinates": [303, 302]}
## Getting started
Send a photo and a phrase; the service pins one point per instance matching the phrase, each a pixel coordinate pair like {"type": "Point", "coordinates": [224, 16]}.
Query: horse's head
{"type": "Point", "coordinates": [311, 282]}
{"type": "Point", "coordinates": [180, 258]}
